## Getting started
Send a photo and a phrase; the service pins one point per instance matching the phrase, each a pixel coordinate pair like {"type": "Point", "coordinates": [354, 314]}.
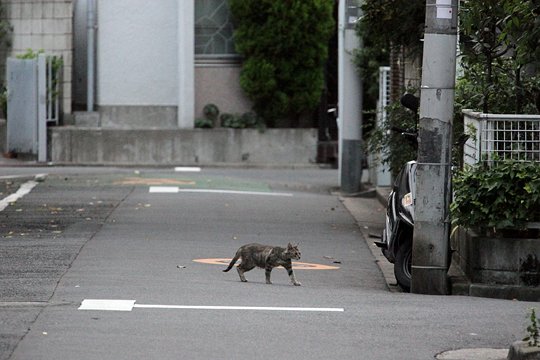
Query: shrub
{"type": "Point", "coordinates": [211, 114]}
{"type": "Point", "coordinates": [396, 148]}
{"type": "Point", "coordinates": [505, 195]}
{"type": "Point", "coordinates": [285, 46]}
{"type": "Point", "coordinates": [246, 120]}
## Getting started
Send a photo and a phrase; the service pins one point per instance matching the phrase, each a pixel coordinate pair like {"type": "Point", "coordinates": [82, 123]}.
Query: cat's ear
{"type": "Point", "coordinates": [289, 246]}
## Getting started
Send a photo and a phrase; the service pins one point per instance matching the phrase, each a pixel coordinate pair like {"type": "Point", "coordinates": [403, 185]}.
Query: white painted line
{"type": "Point", "coordinates": [187, 169]}
{"type": "Point", "coordinates": [23, 190]}
{"type": "Point", "coordinates": [237, 192]}
{"type": "Point", "coordinates": [128, 305]}
{"type": "Point", "coordinates": [176, 189]}
{"type": "Point", "coordinates": [107, 305]}
{"type": "Point", "coordinates": [36, 177]}
{"type": "Point", "coordinates": [163, 189]}
{"type": "Point", "coordinates": [251, 308]}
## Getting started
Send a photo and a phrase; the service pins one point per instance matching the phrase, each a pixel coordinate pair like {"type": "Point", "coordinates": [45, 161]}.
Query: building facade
{"type": "Point", "coordinates": [157, 63]}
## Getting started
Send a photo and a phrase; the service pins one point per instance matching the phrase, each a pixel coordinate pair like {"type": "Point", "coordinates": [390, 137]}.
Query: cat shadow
{"type": "Point", "coordinates": [260, 283]}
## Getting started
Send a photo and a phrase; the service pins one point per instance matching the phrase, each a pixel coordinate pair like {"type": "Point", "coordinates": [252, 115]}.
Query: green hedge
{"type": "Point", "coordinates": [505, 195]}
{"type": "Point", "coordinates": [285, 46]}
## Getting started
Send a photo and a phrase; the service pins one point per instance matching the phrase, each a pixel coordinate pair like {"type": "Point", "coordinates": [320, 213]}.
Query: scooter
{"type": "Point", "coordinates": [397, 236]}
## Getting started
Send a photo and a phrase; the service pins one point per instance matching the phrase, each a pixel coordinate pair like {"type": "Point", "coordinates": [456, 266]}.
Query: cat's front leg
{"type": "Point", "coordinates": [267, 272]}
{"type": "Point", "coordinates": [292, 277]}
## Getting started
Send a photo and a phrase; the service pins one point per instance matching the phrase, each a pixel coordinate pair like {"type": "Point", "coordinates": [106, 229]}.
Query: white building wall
{"type": "Point", "coordinates": [137, 55]}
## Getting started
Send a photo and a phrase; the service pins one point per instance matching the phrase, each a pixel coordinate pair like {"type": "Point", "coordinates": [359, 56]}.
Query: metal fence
{"type": "Point", "coordinates": [494, 137]}
{"type": "Point", "coordinates": [379, 172]}
{"type": "Point", "coordinates": [33, 103]}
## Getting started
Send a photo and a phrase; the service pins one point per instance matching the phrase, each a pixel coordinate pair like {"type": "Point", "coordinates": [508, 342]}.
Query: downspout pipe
{"type": "Point", "coordinates": [90, 26]}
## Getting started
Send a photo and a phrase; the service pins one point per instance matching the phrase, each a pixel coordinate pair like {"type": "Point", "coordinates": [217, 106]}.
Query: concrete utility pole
{"type": "Point", "coordinates": [433, 177]}
{"type": "Point", "coordinates": [91, 29]}
{"type": "Point", "coordinates": [349, 100]}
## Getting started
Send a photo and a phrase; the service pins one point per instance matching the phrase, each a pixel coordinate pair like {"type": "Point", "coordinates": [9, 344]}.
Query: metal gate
{"type": "Point", "coordinates": [33, 103]}
{"type": "Point", "coordinates": [381, 172]}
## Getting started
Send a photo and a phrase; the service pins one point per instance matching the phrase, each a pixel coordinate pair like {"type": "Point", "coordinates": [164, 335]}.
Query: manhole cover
{"type": "Point", "coordinates": [474, 354]}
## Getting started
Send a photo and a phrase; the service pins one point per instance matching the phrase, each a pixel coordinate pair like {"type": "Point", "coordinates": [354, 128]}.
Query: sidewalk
{"type": "Point", "coordinates": [369, 213]}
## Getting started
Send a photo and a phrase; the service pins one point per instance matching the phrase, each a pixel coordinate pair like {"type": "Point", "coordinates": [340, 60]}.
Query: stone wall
{"type": "Point", "coordinates": [42, 25]}
{"type": "Point", "coordinates": [501, 267]}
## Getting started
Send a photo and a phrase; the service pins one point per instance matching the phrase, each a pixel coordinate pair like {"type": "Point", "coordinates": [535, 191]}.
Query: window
{"type": "Point", "coordinates": [213, 29]}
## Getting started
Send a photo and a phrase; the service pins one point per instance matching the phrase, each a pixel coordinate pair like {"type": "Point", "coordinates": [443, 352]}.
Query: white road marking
{"type": "Point", "coordinates": [23, 190]}
{"type": "Point", "coordinates": [128, 305]}
{"type": "Point", "coordinates": [175, 189]}
{"type": "Point", "coordinates": [187, 169]}
{"type": "Point", "coordinates": [107, 305]}
{"type": "Point", "coordinates": [36, 177]}
{"type": "Point", "coordinates": [163, 189]}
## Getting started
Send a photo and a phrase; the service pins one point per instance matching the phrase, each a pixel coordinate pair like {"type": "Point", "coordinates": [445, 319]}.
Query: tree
{"type": "Point", "coordinates": [285, 45]}
{"type": "Point", "coordinates": [521, 32]}
{"type": "Point", "coordinates": [388, 26]}
{"type": "Point", "coordinates": [499, 41]}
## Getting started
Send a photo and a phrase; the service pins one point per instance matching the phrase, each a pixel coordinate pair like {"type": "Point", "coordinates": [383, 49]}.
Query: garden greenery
{"type": "Point", "coordinates": [499, 196]}
{"type": "Point", "coordinates": [533, 335]}
{"type": "Point", "coordinates": [395, 148]}
{"type": "Point", "coordinates": [387, 25]}
{"type": "Point", "coordinates": [500, 46]}
{"type": "Point", "coordinates": [499, 57]}
{"type": "Point", "coordinates": [284, 44]}
{"type": "Point", "coordinates": [214, 118]}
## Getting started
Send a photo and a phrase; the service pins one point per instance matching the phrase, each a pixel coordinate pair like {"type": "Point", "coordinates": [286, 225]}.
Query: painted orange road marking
{"type": "Point", "coordinates": [144, 181]}
{"type": "Point", "coordinates": [296, 265]}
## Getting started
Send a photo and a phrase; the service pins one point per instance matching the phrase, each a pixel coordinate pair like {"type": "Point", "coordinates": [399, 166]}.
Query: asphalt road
{"type": "Point", "coordinates": [100, 233]}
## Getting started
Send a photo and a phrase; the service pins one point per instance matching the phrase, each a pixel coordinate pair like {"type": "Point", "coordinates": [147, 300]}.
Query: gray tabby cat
{"type": "Point", "coordinates": [266, 257]}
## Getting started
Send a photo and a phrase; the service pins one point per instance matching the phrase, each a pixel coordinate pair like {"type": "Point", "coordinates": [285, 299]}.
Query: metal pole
{"type": "Point", "coordinates": [90, 26]}
{"type": "Point", "coordinates": [433, 177]}
{"type": "Point", "coordinates": [349, 100]}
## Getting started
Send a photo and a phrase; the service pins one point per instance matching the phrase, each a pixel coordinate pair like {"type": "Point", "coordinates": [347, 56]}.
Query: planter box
{"type": "Point", "coordinates": [520, 350]}
{"type": "Point", "coordinates": [502, 267]}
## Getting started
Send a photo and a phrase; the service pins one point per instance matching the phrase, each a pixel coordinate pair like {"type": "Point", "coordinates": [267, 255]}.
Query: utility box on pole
{"type": "Point", "coordinates": [349, 100]}
{"type": "Point", "coordinates": [430, 259]}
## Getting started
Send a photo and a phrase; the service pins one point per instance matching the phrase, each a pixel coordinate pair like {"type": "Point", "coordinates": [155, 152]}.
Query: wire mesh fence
{"type": "Point", "coordinates": [495, 137]}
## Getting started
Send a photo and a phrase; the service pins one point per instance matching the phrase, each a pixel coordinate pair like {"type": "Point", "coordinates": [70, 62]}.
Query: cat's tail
{"type": "Point", "coordinates": [231, 264]}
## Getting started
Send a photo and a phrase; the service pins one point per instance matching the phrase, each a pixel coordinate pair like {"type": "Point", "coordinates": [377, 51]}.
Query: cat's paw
{"type": "Point", "coordinates": [297, 284]}
{"type": "Point", "coordinates": [269, 282]}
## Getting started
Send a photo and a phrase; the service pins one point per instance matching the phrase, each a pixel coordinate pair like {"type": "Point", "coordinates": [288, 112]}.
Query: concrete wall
{"type": "Point", "coordinates": [498, 266]}
{"type": "Point", "coordinates": [43, 25]}
{"type": "Point", "coordinates": [99, 146]}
